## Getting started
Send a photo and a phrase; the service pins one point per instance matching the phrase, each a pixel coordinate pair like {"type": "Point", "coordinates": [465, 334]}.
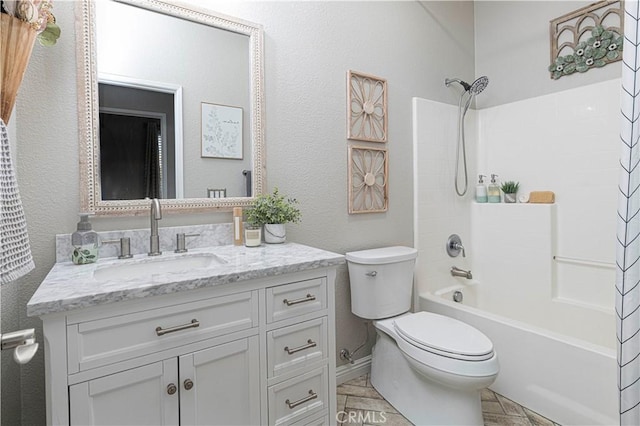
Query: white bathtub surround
{"type": "Point", "coordinates": [563, 143]}
{"type": "Point", "coordinates": [69, 286]}
{"type": "Point", "coordinates": [438, 211]}
{"type": "Point", "coordinates": [628, 248]}
{"type": "Point", "coordinates": [523, 283]}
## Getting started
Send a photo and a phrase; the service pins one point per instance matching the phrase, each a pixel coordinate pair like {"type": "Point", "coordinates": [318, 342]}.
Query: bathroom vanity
{"type": "Point", "coordinates": [220, 335]}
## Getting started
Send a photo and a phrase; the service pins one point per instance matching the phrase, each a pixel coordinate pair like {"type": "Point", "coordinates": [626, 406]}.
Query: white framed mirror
{"type": "Point", "coordinates": [171, 106]}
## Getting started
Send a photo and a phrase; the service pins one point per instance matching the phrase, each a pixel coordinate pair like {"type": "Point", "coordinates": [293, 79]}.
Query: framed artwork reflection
{"type": "Point", "coordinates": [221, 131]}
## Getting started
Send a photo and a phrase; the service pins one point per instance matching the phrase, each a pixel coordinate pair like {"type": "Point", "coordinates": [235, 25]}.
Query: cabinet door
{"type": "Point", "coordinates": [140, 396]}
{"type": "Point", "coordinates": [221, 385]}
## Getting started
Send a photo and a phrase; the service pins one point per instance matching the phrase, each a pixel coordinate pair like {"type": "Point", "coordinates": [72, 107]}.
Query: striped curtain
{"type": "Point", "coordinates": [628, 232]}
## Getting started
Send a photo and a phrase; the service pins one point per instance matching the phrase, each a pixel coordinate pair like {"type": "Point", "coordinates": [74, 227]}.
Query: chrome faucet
{"type": "Point", "coordinates": [457, 272]}
{"type": "Point", "coordinates": [156, 214]}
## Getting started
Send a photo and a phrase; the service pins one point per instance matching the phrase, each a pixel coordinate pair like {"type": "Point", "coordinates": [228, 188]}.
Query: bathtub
{"type": "Point", "coordinates": [567, 380]}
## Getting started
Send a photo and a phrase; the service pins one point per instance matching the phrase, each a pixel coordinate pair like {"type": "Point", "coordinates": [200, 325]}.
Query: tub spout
{"type": "Point", "coordinates": [457, 272]}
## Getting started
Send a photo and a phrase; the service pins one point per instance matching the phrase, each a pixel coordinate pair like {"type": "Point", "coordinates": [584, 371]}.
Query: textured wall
{"type": "Point", "coordinates": [513, 50]}
{"type": "Point", "coordinates": [309, 46]}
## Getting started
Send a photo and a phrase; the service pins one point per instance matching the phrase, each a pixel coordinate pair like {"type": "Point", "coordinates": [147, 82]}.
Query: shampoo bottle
{"type": "Point", "coordinates": [493, 190]}
{"type": "Point", "coordinates": [481, 190]}
{"type": "Point", "coordinates": [85, 242]}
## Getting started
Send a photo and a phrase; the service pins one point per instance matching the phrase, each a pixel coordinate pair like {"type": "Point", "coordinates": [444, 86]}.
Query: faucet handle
{"type": "Point", "coordinates": [125, 247]}
{"type": "Point", "coordinates": [181, 241]}
{"type": "Point", "coordinates": [454, 246]}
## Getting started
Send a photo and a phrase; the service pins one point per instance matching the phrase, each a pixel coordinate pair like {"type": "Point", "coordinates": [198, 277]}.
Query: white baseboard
{"type": "Point", "coordinates": [347, 372]}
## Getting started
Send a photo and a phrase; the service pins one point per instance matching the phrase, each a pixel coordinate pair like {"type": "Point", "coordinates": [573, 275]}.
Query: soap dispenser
{"type": "Point", "coordinates": [493, 190]}
{"type": "Point", "coordinates": [85, 242]}
{"type": "Point", "coordinates": [481, 190]}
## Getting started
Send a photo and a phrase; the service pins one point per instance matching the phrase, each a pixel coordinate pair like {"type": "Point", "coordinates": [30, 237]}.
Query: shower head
{"type": "Point", "coordinates": [474, 88]}
{"type": "Point", "coordinates": [479, 85]}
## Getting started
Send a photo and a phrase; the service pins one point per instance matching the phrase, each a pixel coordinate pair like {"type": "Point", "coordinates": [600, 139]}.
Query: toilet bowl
{"type": "Point", "coordinates": [430, 367]}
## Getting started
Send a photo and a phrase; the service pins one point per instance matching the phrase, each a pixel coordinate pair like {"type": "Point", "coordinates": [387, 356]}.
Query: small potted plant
{"type": "Point", "coordinates": [510, 189]}
{"type": "Point", "coordinates": [273, 211]}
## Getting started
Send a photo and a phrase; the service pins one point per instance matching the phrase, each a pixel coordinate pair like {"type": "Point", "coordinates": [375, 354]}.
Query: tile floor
{"type": "Point", "coordinates": [359, 396]}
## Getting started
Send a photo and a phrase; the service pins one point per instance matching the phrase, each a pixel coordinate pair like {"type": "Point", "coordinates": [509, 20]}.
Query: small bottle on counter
{"type": "Point", "coordinates": [85, 242]}
{"type": "Point", "coordinates": [493, 190]}
{"type": "Point", "coordinates": [237, 226]}
{"type": "Point", "coordinates": [481, 190]}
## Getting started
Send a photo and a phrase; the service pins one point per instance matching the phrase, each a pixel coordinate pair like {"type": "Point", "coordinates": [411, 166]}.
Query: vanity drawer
{"type": "Point", "coordinates": [296, 346]}
{"type": "Point", "coordinates": [315, 420]}
{"type": "Point", "coordinates": [295, 299]}
{"type": "Point", "coordinates": [104, 341]}
{"type": "Point", "coordinates": [297, 398]}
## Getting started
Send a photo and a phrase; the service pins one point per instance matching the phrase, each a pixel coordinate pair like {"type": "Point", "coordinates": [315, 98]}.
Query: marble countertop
{"type": "Point", "coordinates": [68, 286]}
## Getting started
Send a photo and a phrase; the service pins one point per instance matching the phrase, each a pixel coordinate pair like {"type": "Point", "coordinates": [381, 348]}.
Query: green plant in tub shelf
{"type": "Point", "coordinates": [273, 208]}
{"type": "Point", "coordinates": [510, 187]}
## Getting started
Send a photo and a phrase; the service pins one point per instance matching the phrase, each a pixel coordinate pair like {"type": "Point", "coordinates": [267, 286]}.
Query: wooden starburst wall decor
{"type": "Point", "coordinates": [590, 37]}
{"type": "Point", "coordinates": [366, 107]}
{"type": "Point", "coordinates": [368, 180]}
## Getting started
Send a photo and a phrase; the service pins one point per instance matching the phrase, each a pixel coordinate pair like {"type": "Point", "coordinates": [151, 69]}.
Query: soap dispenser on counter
{"type": "Point", "coordinates": [481, 190]}
{"type": "Point", "coordinates": [493, 190]}
{"type": "Point", "coordinates": [85, 242]}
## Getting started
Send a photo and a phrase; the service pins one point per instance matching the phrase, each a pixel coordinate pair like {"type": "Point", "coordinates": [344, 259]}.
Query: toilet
{"type": "Point", "coordinates": [430, 367]}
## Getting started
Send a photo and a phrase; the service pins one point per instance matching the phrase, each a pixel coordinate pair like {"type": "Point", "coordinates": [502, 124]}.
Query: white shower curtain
{"type": "Point", "coordinates": [628, 232]}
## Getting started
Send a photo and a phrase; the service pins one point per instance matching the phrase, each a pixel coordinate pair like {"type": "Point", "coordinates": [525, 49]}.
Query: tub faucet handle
{"type": "Point", "coordinates": [454, 246]}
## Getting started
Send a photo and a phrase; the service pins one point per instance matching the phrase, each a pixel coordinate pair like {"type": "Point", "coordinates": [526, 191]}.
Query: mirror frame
{"type": "Point", "coordinates": [88, 111]}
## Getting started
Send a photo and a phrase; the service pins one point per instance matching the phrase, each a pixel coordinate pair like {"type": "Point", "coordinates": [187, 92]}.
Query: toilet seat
{"type": "Point", "coordinates": [437, 360]}
{"type": "Point", "coordinates": [444, 336]}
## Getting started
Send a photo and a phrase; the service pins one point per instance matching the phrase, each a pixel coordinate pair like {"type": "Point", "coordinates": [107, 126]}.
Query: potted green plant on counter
{"type": "Point", "coordinates": [510, 189]}
{"type": "Point", "coordinates": [273, 211]}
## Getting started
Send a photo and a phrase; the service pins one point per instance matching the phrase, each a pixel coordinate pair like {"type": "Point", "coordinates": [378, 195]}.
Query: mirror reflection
{"type": "Point", "coordinates": [178, 108]}
{"type": "Point", "coordinates": [210, 65]}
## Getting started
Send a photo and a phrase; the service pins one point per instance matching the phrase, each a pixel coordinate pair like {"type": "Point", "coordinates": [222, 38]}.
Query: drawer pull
{"type": "Point", "coordinates": [188, 384]}
{"type": "Point", "coordinates": [308, 298]}
{"type": "Point", "coordinates": [310, 344]}
{"type": "Point", "coordinates": [292, 405]}
{"type": "Point", "coordinates": [162, 331]}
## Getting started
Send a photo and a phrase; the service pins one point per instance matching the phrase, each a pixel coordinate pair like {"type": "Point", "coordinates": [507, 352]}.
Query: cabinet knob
{"type": "Point", "coordinates": [188, 384]}
{"type": "Point", "coordinates": [171, 389]}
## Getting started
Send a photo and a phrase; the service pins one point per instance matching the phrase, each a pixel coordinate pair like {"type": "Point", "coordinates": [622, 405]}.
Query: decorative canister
{"type": "Point", "coordinates": [252, 236]}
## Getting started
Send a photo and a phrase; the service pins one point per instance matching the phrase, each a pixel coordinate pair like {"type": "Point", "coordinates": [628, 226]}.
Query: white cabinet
{"type": "Point", "coordinates": [215, 386]}
{"type": "Point", "coordinates": [221, 385]}
{"type": "Point", "coordinates": [250, 353]}
{"type": "Point", "coordinates": [138, 396]}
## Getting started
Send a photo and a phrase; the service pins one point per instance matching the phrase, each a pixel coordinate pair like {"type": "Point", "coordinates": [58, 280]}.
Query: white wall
{"type": "Point", "coordinates": [309, 46]}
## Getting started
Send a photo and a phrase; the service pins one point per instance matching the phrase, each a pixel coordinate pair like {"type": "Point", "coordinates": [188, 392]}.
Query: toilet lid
{"type": "Point", "coordinates": [444, 336]}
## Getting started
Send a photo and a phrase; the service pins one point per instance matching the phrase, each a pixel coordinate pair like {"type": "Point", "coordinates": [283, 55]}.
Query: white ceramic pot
{"type": "Point", "coordinates": [275, 233]}
{"type": "Point", "coordinates": [510, 198]}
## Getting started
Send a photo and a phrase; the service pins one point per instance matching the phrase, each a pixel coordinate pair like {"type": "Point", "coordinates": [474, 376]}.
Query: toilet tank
{"type": "Point", "coordinates": [381, 281]}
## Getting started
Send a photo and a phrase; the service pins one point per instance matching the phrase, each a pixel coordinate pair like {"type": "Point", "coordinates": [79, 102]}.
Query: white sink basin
{"type": "Point", "coordinates": [145, 268]}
